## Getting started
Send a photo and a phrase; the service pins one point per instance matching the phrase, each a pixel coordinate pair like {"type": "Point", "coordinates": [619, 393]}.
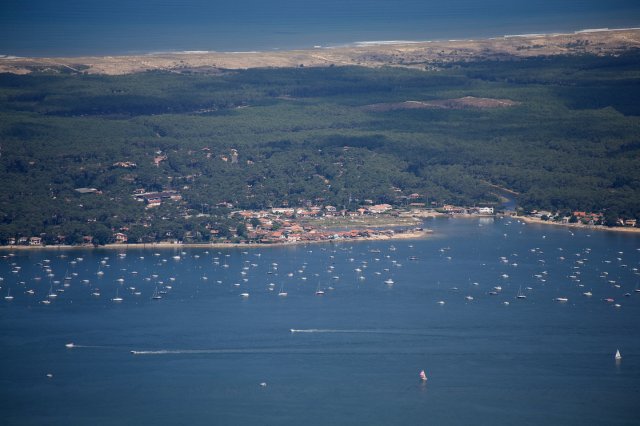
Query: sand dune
{"type": "Point", "coordinates": [421, 55]}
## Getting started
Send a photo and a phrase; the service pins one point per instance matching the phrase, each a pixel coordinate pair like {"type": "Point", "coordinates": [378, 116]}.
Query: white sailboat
{"type": "Point", "coordinates": [520, 295]}
{"type": "Point", "coordinates": [117, 299]}
{"type": "Point", "coordinates": [156, 296]}
{"type": "Point", "coordinates": [8, 297]}
{"type": "Point", "coordinates": [618, 357]}
{"type": "Point", "coordinates": [423, 376]}
{"type": "Point", "coordinates": [282, 293]}
{"type": "Point", "coordinates": [51, 294]}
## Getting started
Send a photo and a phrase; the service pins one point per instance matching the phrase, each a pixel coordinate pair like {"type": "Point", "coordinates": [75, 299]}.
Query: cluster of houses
{"type": "Point", "coordinates": [291, 232]}
{"type": "Point", "coordinates": [154, 199]}
{"type": "Point", "coordinates": [25, 241]}
{"type": "Point", "coordinates": [584, 218]}
{"type": "Point", "coordinates": [455, 210]}
{"type": "Point", "coordinates": [314, 211]}
{"type": "Point", "coordinates": [279, 224]}
{"type": "Point", "coordinates": [125, 165]}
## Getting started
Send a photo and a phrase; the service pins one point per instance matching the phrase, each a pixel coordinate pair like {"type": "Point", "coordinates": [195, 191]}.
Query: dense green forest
{"type": "Point", "coordinates": [269, 137]}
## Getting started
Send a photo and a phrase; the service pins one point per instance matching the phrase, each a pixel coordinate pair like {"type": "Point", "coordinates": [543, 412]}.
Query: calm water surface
{"type": "Point", "coordinates": [202, 350]}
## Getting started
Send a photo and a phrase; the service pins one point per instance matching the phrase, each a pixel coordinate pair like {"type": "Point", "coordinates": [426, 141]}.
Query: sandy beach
{"type": "Point", "coordinates": [407, 54]}
{"type": "Point", "coordinates": [409, 235]}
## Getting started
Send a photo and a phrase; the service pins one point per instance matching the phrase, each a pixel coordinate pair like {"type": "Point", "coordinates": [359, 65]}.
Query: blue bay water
{"type": "Point", "coordinates": [98, 27]}
{"type": "Point", "coordinates": [202, 351]}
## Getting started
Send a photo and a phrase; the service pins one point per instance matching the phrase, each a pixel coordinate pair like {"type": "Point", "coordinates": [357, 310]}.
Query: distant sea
{"type": "Point", "coordinates": [120, 27]}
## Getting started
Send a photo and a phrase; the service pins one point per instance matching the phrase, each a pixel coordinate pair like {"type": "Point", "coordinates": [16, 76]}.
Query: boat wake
{"type": "Point", "coordinates": [76, 346]}
{"type": "Point", "coordinates": [210, 351]}
{"type": "Point", "coordinates": [353, 331]}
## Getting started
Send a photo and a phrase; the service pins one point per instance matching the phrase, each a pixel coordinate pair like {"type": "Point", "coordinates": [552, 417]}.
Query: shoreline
{"type": "Point", "coordinates": [349, 44]}
{"type": "Point", "coordinates": [532, 220]}
{"type": "Point", "coordinates": [422, 55]}
{"type": "Point", "coordinates": [411, 235]}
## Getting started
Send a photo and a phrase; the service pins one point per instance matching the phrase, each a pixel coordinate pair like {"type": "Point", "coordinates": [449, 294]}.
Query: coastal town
{"type": "Point", "coordinates": [289, 225]}
{"type": "Point", "coordinates": [327, 223]}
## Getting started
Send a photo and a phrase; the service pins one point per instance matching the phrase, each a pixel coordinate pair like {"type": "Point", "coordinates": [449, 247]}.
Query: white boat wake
{"type": "Point", "coordinates": [76, 346]}
{"type": "Point", "coordinates": [354, 331]}
{"type": "Point", "coordinates": [212, 351]}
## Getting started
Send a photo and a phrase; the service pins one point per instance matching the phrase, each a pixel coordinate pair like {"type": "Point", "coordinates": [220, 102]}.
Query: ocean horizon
{"type": "Point", "coordinates": [37, 28]}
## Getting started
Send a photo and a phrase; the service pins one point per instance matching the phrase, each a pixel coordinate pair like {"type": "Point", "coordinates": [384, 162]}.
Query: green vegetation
{"type": "Point", "coordinates": [302, 137]}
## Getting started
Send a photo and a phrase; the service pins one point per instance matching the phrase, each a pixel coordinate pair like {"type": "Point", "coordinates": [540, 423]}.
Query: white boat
{"type": "Point", "coordinates": [618, 356]}
{"type": "Point", "coordinates": [156, 296]}
{"type": "Point", "coordinates": [70, 345]}
{"type": "Point", "coordinates": [117, 299]}
{"type": "Point", "coordinates": [389, 281]}
{"type": "Point", "coordinates": [282, 293]}
{"type": "Point", "coordinates": [423, 376]}
{"type": "Point", "coordinates": [319, 292]}
{"type": "Point", "coordinates": [8, 297]}
{"type": "Point", "coordinates": [244, 294]}
{"type": "Point", "coordinates": [561, 299]}
{"type": "Point", "coordinates": [521, 295]}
